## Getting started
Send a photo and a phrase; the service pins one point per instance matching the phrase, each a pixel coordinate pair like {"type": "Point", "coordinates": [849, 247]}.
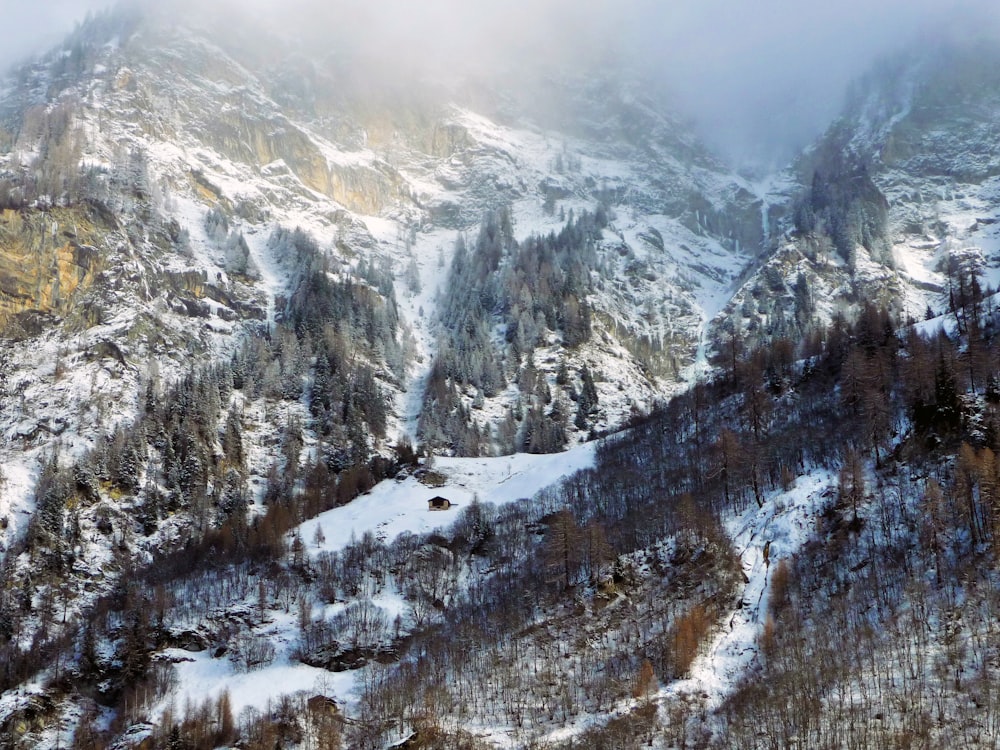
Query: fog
{"type": "Point", "coordinates": [27, 28]}
{"type": "Point", "coordinates": [759, 79]}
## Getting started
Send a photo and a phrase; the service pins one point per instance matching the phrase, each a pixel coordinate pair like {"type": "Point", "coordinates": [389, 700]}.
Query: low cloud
{"type": "Point", "coordinates": [763, 79]}
{"type": "Point", "coordinates": [760, 79]}
{"type": "Point", "coordinates": [28, 28]}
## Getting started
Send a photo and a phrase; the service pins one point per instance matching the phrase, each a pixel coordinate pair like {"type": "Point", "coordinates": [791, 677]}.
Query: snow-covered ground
{"type": "Point", "coordinates": [672, 291]}
{"type": "Point", "coordinates": [201, 678]}
{"type": "Point", "coordinates": [393, 507]}
{"type": "Point", "coordinates": [389, 509]}
{"type": "Point", "coordinates": [763, 537]}
{"type": "Point", "coordinates": [190, 169]}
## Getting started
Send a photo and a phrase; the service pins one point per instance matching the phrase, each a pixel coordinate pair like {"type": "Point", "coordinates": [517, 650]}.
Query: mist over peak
{"type": "Point", "coordinates": [760, 81]}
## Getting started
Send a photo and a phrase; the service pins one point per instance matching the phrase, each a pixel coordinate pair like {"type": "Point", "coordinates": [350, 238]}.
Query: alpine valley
{"type": "Point", "coordinates": [263, 313]}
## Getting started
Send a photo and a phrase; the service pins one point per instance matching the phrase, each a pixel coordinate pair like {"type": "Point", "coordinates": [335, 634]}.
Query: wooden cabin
{"type": "Point", "coordinates": [438, 503]}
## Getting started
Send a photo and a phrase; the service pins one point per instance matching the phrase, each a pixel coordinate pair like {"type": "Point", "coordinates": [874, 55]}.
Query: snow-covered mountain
{"type": "Point", "coordinates": [193, 157]}
{"type": "Point", "coordinates": [179, 197]}
{"type": "Point", "coordinates": [926, 123]}
{"type": "Point", "coordinates": [890, 204]}
{"type": "Point", "coordinates": [258, 306]}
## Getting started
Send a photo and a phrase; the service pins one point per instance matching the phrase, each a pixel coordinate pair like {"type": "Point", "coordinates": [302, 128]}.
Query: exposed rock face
{"type": "Point", "coordinates": [902, 190]}
{"type": "Point", "coordinates": [739, 223]}
{"type": "Point", "coordinates": [44, 269]}
{"type": "Point", "coordinates": [940, 121]}
{"type": "Point", "coordinates": [180, 159]}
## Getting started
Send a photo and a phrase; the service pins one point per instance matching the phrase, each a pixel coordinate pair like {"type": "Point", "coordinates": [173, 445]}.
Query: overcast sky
{"type": "Point", "coordinates": [759, 77]}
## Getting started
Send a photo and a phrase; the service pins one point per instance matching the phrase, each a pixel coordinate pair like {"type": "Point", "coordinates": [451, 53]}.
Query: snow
{"type": "Point", "coordinates": [432, 252]}
{"type": "Point", "coordinates": [695, 276]}
{"type": "Point", "coordinates": [393, 507]}
{"type": "Point", "coordinates": [781, 526]}
{"type": "Point", "coordinates": [200, 678]}
{"type": "Point", "coordinates": [19, 476]}
{"type": "Point", "coordinates": [389, 509]}
{"type": "Point", "coordinates": [694, 272]}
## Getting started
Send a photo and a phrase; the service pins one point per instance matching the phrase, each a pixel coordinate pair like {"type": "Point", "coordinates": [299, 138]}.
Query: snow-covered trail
{"type": "Point", "coordinates": [412, 400]}
{"type": "Point", "coordinates": [762, 537]}
{"type": "Point", "coordinates": [431, 253]}
{"type": "Point", "coordinates": [274, 280]}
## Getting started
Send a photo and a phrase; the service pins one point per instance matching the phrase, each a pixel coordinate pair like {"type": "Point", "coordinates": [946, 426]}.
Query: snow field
{"type": "Point", "coordinates": [389, 509]}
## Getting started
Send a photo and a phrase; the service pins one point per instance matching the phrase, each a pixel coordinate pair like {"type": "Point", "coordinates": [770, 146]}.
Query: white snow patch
{"type": "Point", "coordinates": [393, 507]}
{"type": "Point", "coordinates": [782, 526]}
{"type": "Point", "coordinates": [389, 509]}
{"type": "Point", "coordinates": [200, 678]}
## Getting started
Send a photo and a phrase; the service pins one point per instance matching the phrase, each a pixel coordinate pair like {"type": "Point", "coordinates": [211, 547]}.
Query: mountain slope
{"type": "Point", "coordinates": [156, 170]}
{"type": "Point", "coordinates": [895, 205]}
{"type": "Point", "coordinates": [238, 283]}
{"type": "Point", "coordinates": [175, 212]}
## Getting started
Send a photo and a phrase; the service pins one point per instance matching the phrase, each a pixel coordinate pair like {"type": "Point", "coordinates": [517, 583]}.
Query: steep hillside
{"type": "Point", "coordinates": [258, 308]}
{"type": "Point", "coordinates": [895, 204]}
{"type": "Point", "coordinates": [151, 180]}
{"type": "Point", "coordinates": [224, 281]}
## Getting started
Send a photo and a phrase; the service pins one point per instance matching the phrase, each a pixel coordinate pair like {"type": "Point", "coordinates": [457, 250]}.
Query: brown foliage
{"type": "Point", "coordinates": [768, 637]}
{"type": "Point", "coordinates": [689, 630]}
{"type": "Point", "coordinates": [645, 683]}
{"type": "Point", "coordinates": [780, 579]}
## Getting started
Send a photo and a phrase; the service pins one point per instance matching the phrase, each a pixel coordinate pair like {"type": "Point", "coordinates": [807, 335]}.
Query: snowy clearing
{"type": "Point", "coordinates": [390, 508]}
